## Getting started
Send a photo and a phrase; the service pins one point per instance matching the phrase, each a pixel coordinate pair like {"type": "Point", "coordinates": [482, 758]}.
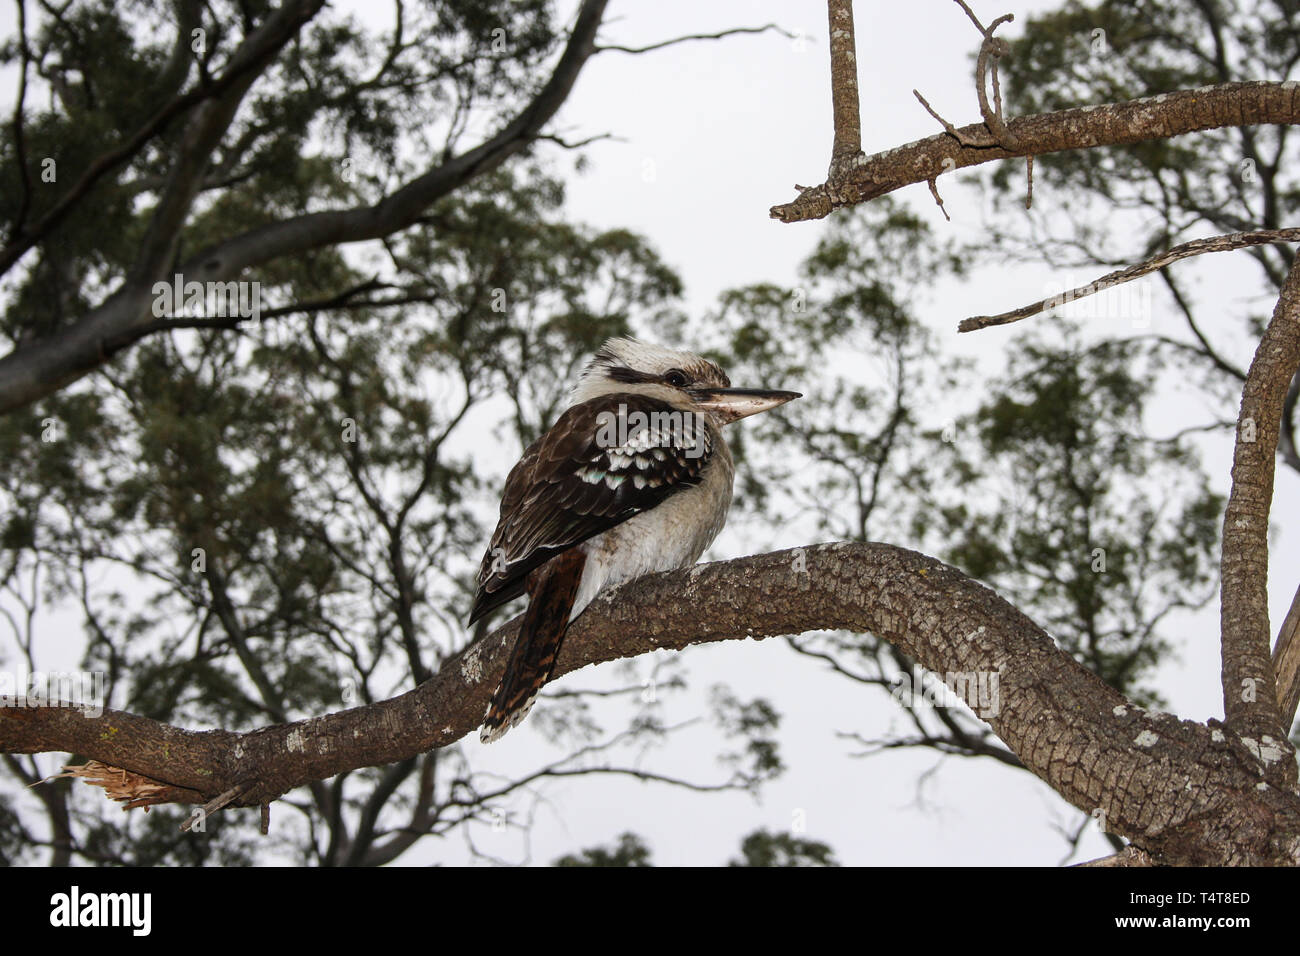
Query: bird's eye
{"type": "Point", "coordinates": [676, 378]}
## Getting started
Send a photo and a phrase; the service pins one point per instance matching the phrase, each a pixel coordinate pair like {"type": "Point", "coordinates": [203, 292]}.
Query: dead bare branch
{"type": "Point", "coordinates": [721, 34]}
{"type": "Point", "coordinates": [213, 806]}
{"type": "Point", "coordinates": [934, 191]}
{"type": "Point", "coordinates": [1196, 247]}
{"type": "Point", "coordinates": [948, 127]}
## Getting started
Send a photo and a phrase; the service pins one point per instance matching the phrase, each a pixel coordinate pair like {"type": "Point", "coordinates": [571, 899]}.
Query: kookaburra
{"type": "Point", "coordinates": [633, 478]}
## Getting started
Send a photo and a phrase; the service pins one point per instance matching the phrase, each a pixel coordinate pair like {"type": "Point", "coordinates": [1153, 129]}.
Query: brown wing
{"type": "Point", "coordinates": [602, 462]}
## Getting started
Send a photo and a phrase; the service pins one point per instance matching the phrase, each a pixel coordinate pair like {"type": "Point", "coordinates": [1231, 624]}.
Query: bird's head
{"type": "Point", "coordinates": [683, 379]}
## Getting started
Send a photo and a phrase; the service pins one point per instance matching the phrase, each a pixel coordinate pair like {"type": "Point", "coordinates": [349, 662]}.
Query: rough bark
{"type": "Point", "coordinates": [1250, 692]}
{"type": "Point", "coordinates": [1183, 792]}
{"type": "Point", "coordinates": [845, 108]}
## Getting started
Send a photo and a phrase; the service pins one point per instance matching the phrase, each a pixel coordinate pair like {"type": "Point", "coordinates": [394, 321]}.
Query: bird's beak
{"type": "Point", "coordinates": [733, 404]}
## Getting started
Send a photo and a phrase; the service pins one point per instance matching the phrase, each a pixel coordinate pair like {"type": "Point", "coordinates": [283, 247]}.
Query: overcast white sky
{"type": "Point", "coordinates": [711, 135]}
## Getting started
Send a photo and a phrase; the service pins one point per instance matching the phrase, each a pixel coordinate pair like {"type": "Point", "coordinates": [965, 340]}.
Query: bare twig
{"type": "Point", "coordinates": [214, 805]}
{"type": "Point", "coordinates": [934, 191]}
{"type": "Point", "coordinates": [578, 144]}
{"type": "Point", "coordinates": [617, 48]}
{"type": "Point", "coordinates": [992, 49]}
{"type": "Point", "coordinates": [948, 127]}
{"type": "Point", "coordinates": [1196, 247]}
{"type": "Point", "coordinates": [973, 19]}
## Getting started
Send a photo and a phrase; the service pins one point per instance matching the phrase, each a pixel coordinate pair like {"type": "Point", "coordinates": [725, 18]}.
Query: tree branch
{"type": "Point", "coordinates": [845, 106]}
{"type": "Point", "coordinates": [1115, 124]}
{"type": "Point", "coordinates": [1189, 793]}
{"type": "Point", "coordinates": [403, 207]}
{"type": "Point", "coordinates": [1250, 698]}
{"type": "Point", "coordinates": [721, 34]}
{"type": "Point", "coordinates": [1188, 249]}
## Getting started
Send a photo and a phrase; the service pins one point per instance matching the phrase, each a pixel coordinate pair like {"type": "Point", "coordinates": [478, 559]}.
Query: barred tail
{"type": "Point", "coordinates": [551, 589]}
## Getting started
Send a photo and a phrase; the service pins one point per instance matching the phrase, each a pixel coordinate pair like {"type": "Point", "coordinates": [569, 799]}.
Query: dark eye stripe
{"type": "Point", "coordinates": [620, 373]}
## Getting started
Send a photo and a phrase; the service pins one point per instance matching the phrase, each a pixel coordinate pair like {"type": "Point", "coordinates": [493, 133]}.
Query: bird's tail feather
{"type": "Point", "coordinates": [552, 589]}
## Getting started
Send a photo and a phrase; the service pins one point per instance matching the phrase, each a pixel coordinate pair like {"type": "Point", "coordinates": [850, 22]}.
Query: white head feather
{"type": "Point", "coordinates": [610, 368]}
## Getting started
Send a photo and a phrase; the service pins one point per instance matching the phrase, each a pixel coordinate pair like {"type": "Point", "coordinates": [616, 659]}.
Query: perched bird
{"type": "Point", "coordinates": [633, 478]}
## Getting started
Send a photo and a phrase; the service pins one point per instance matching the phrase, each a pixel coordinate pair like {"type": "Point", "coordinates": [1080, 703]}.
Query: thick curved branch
{"type": "Point", "coordinates": [1184, 791]}
{"type": "Point", "coordinates": [1114, 124]}
{"type": "Point", "coordinates": [1250, 695]}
